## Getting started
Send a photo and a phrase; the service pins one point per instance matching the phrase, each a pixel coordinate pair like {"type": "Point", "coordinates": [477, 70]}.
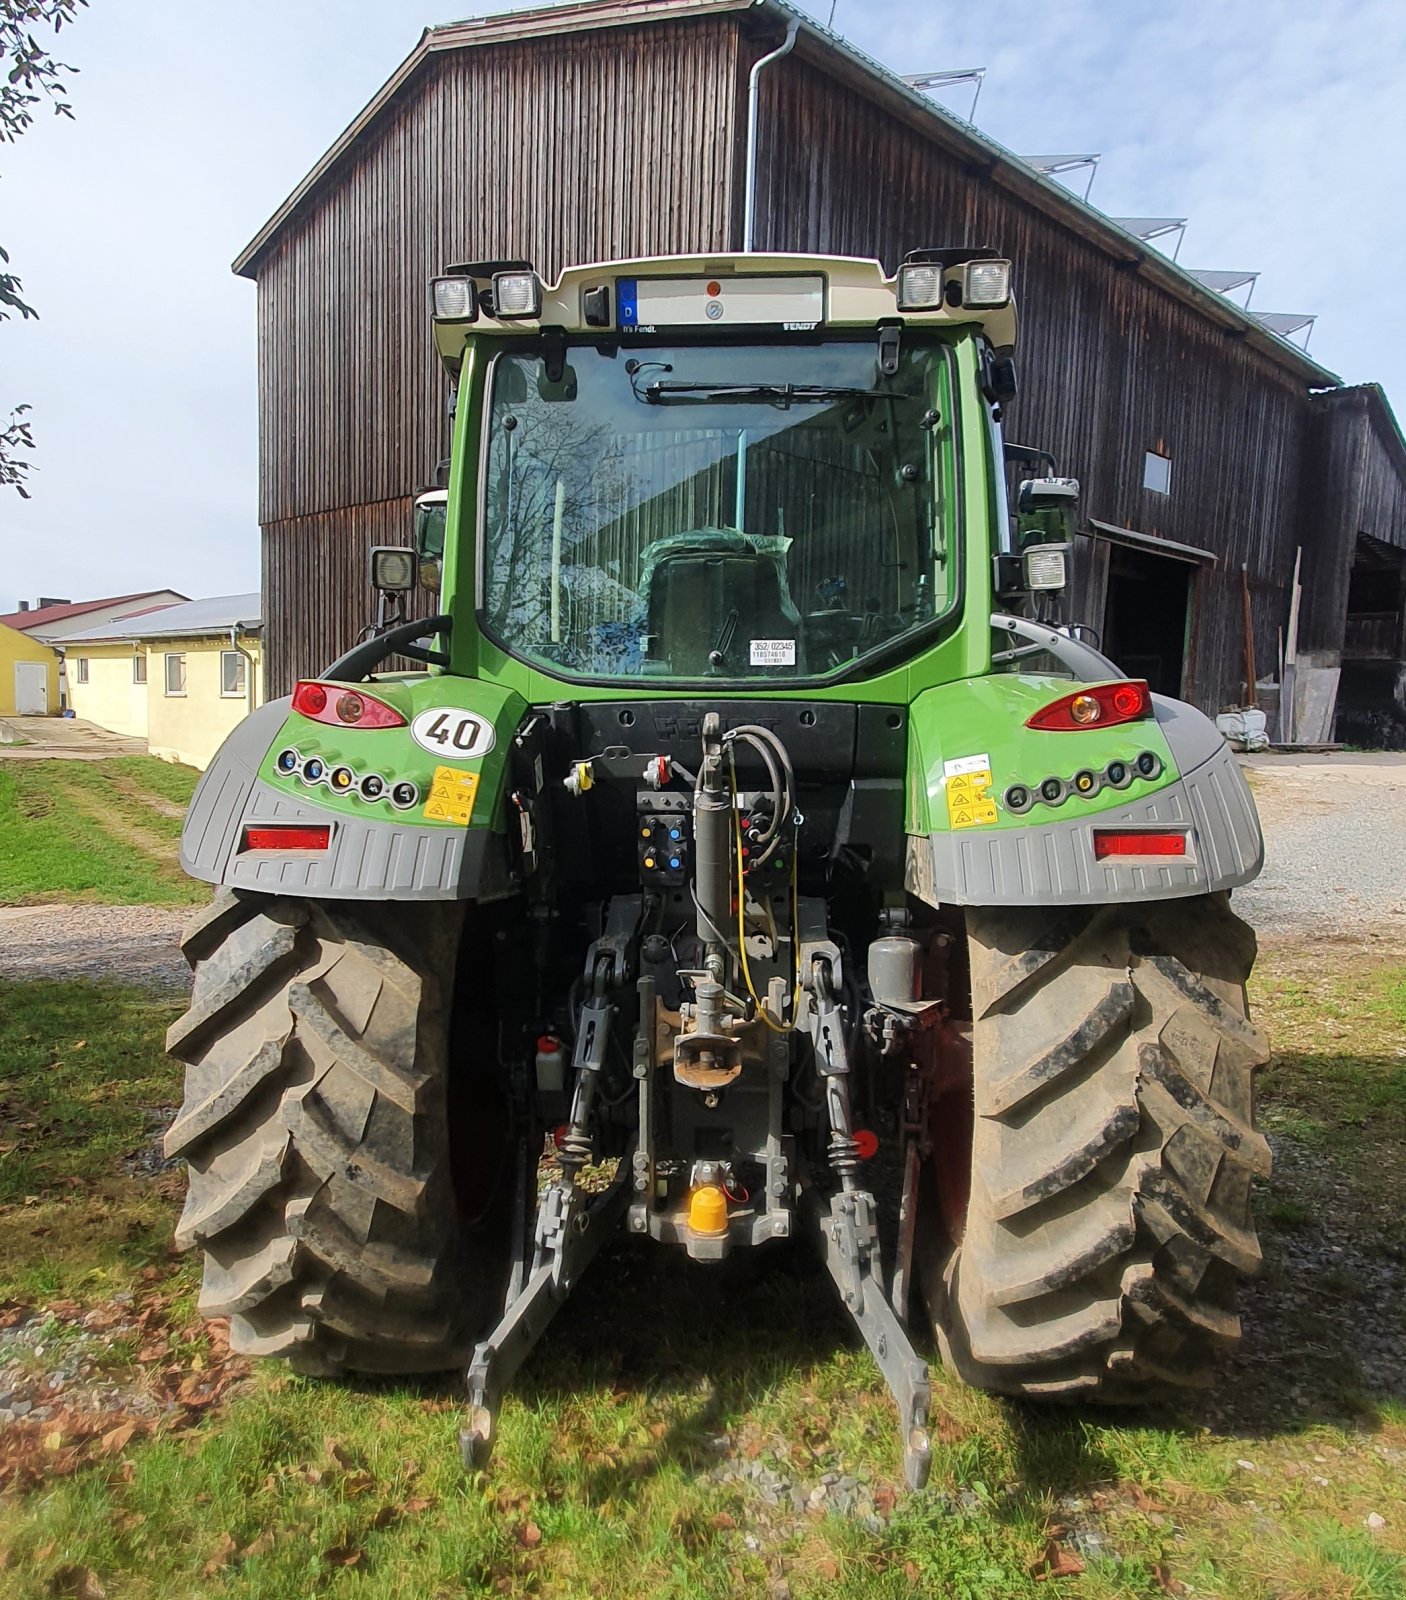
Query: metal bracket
{"type": "Point", "coordinates": [852, 1259]}
{"type": "Point", "coordinates": [567, 1240]}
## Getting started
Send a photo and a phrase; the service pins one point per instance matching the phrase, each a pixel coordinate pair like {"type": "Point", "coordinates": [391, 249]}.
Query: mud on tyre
{"type": "Point", "coordinates": [317, 1134]}
{"type": "Point", "coordinates": [1112, 1152]}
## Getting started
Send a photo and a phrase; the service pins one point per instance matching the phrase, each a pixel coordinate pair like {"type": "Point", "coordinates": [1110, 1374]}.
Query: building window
{"type": "Point", "coordinates": [139, 669]}
{"type": "Point", "coordinates": [1157, 473]}
{"type": "Point", "coordinates": [232, 670]}
{"type": "Point", "coordinates": [176, 673]}
{"type": "Point", "coordinates": [80, 670]}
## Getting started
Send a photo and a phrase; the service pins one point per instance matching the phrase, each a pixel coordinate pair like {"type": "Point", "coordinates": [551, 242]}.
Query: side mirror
{"type": "Point", "coordinates": [1045, 510]}
{"type": "Point", "coordinates": [1044, 525]}
{"type": "Point", "coordinates": [431, 510]}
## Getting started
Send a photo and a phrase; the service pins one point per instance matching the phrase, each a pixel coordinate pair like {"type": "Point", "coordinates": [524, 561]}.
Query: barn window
{"type": "Point", "coordinates": [139, 669]}
{"type": "Point", "coordinates": [80, 670]}
{"type": "Point", "coordinates": [176, 672]}
{"type": "Point", "coordinates": [232, 666]}
{"type": "Point", "coordinates": [1157, 473]}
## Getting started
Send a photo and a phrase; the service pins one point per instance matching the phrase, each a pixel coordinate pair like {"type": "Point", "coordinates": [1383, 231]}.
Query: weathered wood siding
{"type": "Point", "coordinates": [561, 149]}
{"type": "Point", "coordinates": [1355, 483]}
{"type": "Point", "coordinates": [629, 139]}
{"type": "Point", "coordinates": [1111, 366]}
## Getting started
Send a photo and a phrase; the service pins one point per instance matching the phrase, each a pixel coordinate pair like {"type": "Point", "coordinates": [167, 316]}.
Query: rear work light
{"type": "Point", "coordinates": [1137, 843]}
{"type": "Point", "coordinates": [1096, 705]}
{"type": "Point", "coordinates": [344, 707]}
{"type": "Point", "coordinates": [287, 836]}
{"type": "Point", "coordinates": [455, 299]}
{"type": "Point", "coordinates": [516, 295]}
{"type": "Point", "coordinates": [986, 283]}
{"type": "Point", "coordinates": [920, 286]}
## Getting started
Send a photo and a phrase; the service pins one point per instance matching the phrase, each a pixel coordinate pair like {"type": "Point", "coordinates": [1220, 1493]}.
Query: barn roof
{"type": "Point", "coordinates": [195, 619]}
{"type": "Point", "coordinates": [41, 616]}
{"type": "Point", "coordinates": [861, 72]}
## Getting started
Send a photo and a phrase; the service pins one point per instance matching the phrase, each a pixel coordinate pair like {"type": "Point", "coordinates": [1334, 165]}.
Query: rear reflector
{"type": "Point", "coordinates": [287, 837]}
{"type": "Point", "coordinates": [1107, 843]}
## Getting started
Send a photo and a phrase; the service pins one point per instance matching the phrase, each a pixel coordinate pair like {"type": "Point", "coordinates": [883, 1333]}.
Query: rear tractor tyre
{"type": "Point", "coordinates": [317, 1134]}
{"type": "Point", "coordinates": [1113, 1147]}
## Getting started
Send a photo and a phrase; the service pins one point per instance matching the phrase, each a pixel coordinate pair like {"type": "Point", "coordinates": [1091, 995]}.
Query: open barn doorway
{"type": "Point", "coordinates": [1146, 616]}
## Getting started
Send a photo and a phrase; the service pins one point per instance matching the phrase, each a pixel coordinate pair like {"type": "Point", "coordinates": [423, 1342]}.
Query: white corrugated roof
{"type": "Point", "coordinates": [194, 619]}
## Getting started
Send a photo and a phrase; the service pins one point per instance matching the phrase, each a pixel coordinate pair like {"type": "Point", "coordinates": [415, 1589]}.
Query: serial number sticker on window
{"type": "Point", "coordinates": [453, 733]}
{"type": "Point", "coordinates": [967, 781]}
{"type": "Point", "coordinates": [452, 796]}
{"type": "Point", "coordinates": [772, 653]}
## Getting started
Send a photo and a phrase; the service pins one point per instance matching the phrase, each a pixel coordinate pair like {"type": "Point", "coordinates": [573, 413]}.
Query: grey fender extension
{"type": "Point", "coordinates": [367, 859]}
{"type": "Point", "coordinates": [1052, 863]}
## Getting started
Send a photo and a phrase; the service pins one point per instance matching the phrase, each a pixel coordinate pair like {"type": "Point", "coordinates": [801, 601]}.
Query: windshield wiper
{"type": "Point", "coordinates": [782, 395]}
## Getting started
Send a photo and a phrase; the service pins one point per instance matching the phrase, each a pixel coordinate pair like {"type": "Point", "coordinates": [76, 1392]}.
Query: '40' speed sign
{"type": "Point", "coordinates": [448, 731]}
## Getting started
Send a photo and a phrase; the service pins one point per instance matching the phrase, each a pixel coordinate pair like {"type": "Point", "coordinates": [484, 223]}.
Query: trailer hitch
{"type": "Point", "coordinates": [849, 1234]}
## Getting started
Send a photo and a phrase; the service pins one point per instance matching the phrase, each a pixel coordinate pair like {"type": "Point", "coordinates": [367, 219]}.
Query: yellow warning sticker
{"type": "Point", "coordinates": [451, 796]}
{"type": "Point", "coordinates": [968, 784]}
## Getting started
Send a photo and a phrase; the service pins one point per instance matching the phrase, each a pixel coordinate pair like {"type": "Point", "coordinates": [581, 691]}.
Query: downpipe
{"type": "Point", "coordinates": [749, 215]}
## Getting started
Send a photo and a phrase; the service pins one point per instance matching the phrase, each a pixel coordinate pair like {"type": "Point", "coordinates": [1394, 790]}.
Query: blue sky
{"type": "Point", "coordinates": [1279, 129]}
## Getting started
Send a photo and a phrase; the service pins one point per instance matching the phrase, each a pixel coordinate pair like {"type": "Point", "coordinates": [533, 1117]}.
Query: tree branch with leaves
{"type": "Point", "coordinates": [32, 77]}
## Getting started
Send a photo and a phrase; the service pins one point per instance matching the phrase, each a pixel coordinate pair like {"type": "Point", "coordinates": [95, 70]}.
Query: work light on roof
{"type": "Point", "coordinates": [455, 299]}
{"type": "Point", "coordinates": [516, 294]}
{"type": "Point", "coordinates": [986, 283]}
{"type": "Point", "coordinates": [920, 286]}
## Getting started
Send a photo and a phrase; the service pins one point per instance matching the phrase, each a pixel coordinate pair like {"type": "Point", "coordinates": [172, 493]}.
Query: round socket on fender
{"type": "Point", "coordinates": [404, 795]}
{"type": "Point", "coordinates": [286, 761]}
{"type": "Point", "coordinates": [1053, 791]}
{"type": "Point", "coordinates": [1149, 764]}
{"type": "Point", "coordinates": [373, 786]}
{"type": "Point", "coordinates": [1085, 783]}
{"type": "Point", "coordinates": [1018, 799]}
{"type": "Point", "coordinates": [1118, 774]}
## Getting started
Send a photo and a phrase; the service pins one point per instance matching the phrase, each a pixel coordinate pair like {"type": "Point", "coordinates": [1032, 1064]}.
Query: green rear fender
{"type": "Point", "coordinates": [999, 813]}
{"type": "Point", "coordinates": [412, 811]}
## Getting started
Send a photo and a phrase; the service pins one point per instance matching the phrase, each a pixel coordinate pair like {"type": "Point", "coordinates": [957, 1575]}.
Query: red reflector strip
{"type": "Point", "coordinates": [1137, 844]}
{"type": "Point", "coordinates": [285, 837]}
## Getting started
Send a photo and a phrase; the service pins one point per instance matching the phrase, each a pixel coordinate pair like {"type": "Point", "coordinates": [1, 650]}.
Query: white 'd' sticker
{"type": "Point", "coordinates": [954, 769]}
{"type": "Point", "coordinates": [448, 731]}
{"type": "Point", "coordinates": [772, 653]}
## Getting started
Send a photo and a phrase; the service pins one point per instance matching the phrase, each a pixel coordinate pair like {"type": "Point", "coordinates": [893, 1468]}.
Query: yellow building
{"type": "Point", "coordinates": [107, 684]}
{"type": "Point", "coordinates": [29, 675]}
{"type": "Point", "coordinates": [180, 677]}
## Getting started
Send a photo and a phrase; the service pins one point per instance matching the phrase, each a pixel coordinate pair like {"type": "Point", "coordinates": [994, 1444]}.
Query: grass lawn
{"type": "Point", "coordinates": [639, 1453]}
{"type": "Point", "coordinates": [101, 832]}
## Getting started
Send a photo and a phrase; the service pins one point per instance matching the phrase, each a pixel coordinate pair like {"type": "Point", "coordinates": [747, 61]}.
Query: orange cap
{"type": "Point", "coordinates": [707, 1209]}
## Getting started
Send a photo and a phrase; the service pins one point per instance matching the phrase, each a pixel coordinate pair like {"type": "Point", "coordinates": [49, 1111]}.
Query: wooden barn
{"type": "Point", "coordinates": [1210, 450]}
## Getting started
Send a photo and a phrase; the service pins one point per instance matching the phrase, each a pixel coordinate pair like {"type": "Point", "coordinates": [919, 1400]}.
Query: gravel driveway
{"type": "Point", "coordinates": [1335, 845]}
{"type": "Point", "coordinates": [133, 944]}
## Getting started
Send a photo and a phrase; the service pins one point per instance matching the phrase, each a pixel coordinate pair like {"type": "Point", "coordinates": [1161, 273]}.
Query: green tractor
{"type": "Point", "coordinates": [753, 826]}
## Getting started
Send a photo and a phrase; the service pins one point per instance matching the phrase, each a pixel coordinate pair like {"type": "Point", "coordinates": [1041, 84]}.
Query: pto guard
{"type": "Point", "coordinates": [970, 741]}
{"type": "Point", "coordinates": [374, 852]}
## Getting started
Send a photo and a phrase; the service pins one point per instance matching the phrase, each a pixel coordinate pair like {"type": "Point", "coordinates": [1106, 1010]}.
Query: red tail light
{"type": "Point", "coordinates": [344, 707]}
{"type": "Point", "coordinates": [1096, 705]}
{"type": "Point", "coordinates": [1109, 843]}
{"type": "Point", "coordinates": [287, 836]}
